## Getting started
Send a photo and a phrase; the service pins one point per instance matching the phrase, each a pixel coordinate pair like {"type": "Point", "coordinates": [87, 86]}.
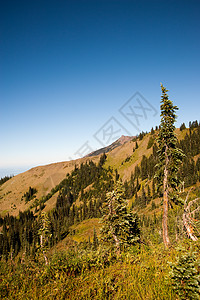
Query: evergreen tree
{"type": "Point", "coordinates": [95, 240]}
{"type": "Point", "coordinates": [143, 202]}
{"type": "Point", "coordinates": [185, 278]}
{"type": "Point", "coordinates": [153, 189]}
{"type": "Point", "coordinates": [137, 185]}
{"type": "Point", "coordinates": [44, 234]}
{"type": "Point", "coordinates": [126, 189]}
{"type": "Point", "coordinates": [170, 157]}
{"type": "Point", "coordinates": [136, 199]}
{"type": "Point", "coordinates": [144, 167]}
{"type": "Point", "coordinates": [182, 127]}
{"type": "Point", "coordinates": [102, 160]}
{"type": "Point", "coordinates": [116, 175]}
{"type": "Point", "coordinates": [148, 194]}
{"type": "Point", "coordinates": [120, 228]}
{"type": "Point", "coordinates": [137, 171]}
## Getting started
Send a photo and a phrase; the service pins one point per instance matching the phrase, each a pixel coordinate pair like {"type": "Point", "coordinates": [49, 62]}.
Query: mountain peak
{"type": "Point", "coordinates": [120, 141]}
{"type": "Point", "coordinates": [124, 138]}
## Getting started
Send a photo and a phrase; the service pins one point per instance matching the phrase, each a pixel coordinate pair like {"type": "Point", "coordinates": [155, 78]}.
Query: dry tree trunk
{"type": "Point", "coordinates": [116, 241]}
{"type": "Point", "coordinates": [43, 251]}
{"type": "Point", "coordinates": [165, 203]}
{"type": "Point", "coordinates": [189, 228]}
{"type": "Point", "coordinates": [187, 220]}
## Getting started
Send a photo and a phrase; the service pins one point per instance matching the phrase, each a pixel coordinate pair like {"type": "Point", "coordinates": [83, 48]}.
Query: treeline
{"type": "Point", "coordinates": [17, 233]}
{"type": "Point", "coordinates": [21, 233]}
{"type": "Point", "coordinates": [4, 179]}
{"type": "Point", "coordinates": [144, 171]}
{"type": "Point", "coordinates": [191, 142]}
{"type": "Point", "coordinates": [189, 171]}
{"type": "Point", "coordinates": [88, 184]}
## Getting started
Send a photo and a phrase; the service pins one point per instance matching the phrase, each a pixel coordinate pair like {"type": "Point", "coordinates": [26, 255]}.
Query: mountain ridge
{"type": "Point", "coordinates": [122, 155]}
{"type": "Point", "coordinates": [120, 141]}
{"type": "Point", "coordinates": [45, 178]}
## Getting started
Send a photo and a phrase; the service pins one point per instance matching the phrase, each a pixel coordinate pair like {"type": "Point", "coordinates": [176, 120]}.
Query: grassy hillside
{"type": "Point", "coordinates": [43, 178]}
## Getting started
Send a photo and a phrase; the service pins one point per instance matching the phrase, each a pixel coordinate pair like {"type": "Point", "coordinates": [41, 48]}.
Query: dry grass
{"type": "Point", "coordinates": [116, 157]}
{"type": "Point", "coordinates": [43, 178]}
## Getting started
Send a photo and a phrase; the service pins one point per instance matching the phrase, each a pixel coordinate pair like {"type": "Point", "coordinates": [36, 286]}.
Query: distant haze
{"type": "Point", "coordinates": [12, 171]}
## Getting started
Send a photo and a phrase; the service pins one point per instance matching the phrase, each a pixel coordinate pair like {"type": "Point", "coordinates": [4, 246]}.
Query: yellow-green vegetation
{"type": "Point", "coordinates": [117, 157]}
{"type": "Point", "coordinates": [85, 230]}
{"type": "Point", "coordinates": [59, 249]}
{"type": "Point", "coordinates": [141, 273]}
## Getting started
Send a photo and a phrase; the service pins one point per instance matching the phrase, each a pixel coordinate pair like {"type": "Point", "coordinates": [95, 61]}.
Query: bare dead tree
{"type": "Point", "coordinates": [188, 217]}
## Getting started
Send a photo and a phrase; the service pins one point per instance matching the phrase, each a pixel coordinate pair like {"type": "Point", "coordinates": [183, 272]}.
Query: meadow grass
{"type": "Point", "coordinates": [137, 274]}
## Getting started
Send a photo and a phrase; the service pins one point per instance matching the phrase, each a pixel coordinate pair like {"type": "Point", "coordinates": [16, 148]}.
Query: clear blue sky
{"type": "Point", "coordinates": [67, 67]}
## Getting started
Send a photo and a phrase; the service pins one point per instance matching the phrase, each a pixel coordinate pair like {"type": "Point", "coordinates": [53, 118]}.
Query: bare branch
{"type": "Point", "coordinates": [187, 221]}
{"type": "Point", "coordinates": [192, 201]}
{"type": "Point", "coordinates": [195, 210]}
{"type": "Point", "coordinates": [187, 197]}
{"type": "Point", "coordinates": [189, 229]}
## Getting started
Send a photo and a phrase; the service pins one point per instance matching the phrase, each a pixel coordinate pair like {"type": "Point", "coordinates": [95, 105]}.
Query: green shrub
{"type": "Point", "coordinates": [185, 277]}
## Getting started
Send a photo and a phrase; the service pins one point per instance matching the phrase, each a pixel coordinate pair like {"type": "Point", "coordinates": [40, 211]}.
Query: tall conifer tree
{"type": "Point", "coordinates": [170, 157]}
